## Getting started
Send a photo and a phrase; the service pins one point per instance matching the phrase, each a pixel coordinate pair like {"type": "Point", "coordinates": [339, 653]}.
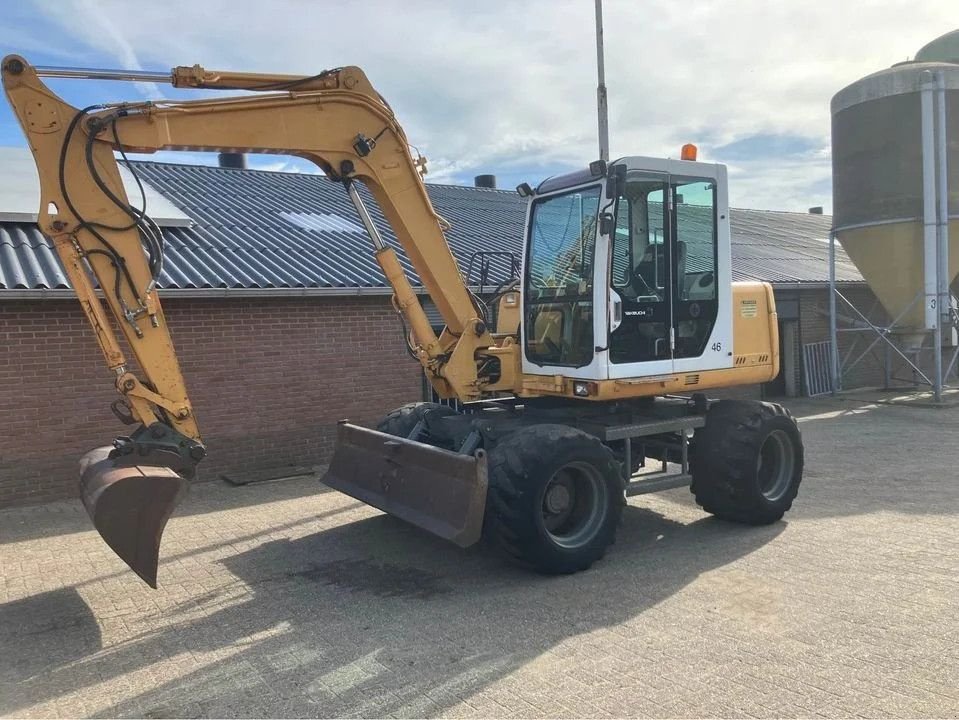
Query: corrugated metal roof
{"type": "Point", "coordinates": [20, 191]}
{"type": "Point", "coordinates": [785, 248]}
{"type": "Point", "coordinates": [258, 229]}
{"type": "Point", "coordinates": [27, 259]}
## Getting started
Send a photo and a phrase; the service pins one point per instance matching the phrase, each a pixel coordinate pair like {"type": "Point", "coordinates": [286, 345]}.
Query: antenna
{"type": "Point", "coordinates": [601, 107]}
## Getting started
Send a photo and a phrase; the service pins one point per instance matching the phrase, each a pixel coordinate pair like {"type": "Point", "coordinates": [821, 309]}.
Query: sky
{"type": "Point", "coordinates": [509, 87]}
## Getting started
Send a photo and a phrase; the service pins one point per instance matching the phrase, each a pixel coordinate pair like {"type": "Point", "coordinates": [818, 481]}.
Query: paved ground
{"type": "Point", "coordinates": [279, 600]}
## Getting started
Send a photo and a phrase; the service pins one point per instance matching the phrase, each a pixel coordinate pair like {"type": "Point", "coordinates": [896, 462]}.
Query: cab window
{"type": "Point", "coordinates": [559, 279]}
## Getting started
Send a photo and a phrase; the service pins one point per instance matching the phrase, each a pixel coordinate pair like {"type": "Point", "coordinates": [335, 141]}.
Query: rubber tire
{"type": "Point", "coordinates": [724, 457]}
{"type": "Point", "coordinates": [401, 421]}
{"type": "Point", "coordinates": [520, 468]}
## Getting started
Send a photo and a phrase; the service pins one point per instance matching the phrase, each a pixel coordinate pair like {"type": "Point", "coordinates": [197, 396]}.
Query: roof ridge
{"type": "Point", "coordinates": [453, 186]}
{"type": "Point", "coordinates": [206, 166]}
{"type": "Point", "coordinates": [302, 174]}
{"type": "Point", "coordinates": [782, 212]}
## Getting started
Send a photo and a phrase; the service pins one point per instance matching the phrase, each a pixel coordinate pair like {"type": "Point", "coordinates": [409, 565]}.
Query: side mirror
{"type": "Point", "coordinates": [616, 182]}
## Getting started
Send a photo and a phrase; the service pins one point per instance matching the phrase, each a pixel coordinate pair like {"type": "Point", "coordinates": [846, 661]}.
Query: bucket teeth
{"type": "Point", "coordinates": [129, 506]}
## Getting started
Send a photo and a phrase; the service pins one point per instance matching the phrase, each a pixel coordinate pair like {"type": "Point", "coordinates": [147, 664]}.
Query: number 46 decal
{"type": "Point", "coordinates": [717, 347]}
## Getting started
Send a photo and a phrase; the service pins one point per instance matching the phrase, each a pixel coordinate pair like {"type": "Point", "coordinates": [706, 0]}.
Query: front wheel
{"type": "Point", "coordinates": [555, 498]}
{"type": "Point", "coordinates": [747, 462]}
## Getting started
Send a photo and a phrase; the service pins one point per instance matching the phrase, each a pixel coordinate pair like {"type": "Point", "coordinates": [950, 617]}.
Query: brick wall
{"type": "Point", "coordinates": [268, 378]}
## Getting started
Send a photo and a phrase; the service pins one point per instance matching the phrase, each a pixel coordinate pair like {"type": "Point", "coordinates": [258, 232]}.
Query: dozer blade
{"type": "Point", "coordinates": [130, 505]}
{"type": "Point", "coordinates": [440, 491]}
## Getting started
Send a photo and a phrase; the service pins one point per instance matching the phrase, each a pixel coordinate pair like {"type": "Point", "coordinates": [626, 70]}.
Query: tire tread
{"type": "Point", "coordinates": [724, 454]}
{"type": "Point", "coordinates": [508, 525]}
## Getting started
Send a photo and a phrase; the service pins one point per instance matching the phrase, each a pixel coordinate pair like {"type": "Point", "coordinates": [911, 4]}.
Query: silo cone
{"type": "Point", "coordinates": [877, 186]}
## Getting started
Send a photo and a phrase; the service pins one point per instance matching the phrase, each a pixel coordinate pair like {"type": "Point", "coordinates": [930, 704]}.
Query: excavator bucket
{"type": "Point", "coordinates": [440, 491]}
{"type": "Point", "coordinates": [130, 505]}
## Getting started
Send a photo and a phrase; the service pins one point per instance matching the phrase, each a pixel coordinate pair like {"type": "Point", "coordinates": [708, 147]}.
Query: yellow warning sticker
{"type": "Point", "coordinates": [748, 308]}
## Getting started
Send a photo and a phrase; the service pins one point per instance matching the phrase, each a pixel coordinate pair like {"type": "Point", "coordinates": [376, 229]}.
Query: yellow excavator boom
{"type": "Point", "coordinates": [334, 119]}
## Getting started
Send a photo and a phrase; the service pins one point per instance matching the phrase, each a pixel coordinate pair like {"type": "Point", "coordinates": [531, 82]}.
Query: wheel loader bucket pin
{"type": "Point", "coordinates": [130, 505]}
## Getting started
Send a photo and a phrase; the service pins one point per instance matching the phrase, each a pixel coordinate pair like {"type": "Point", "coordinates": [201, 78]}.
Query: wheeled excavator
{"type": "Point", "coordinates": [577, 385]}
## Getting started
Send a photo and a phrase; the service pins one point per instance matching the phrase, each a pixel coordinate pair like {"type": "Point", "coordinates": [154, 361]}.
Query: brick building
{"type": "Point", "coordinates": [282, 320]}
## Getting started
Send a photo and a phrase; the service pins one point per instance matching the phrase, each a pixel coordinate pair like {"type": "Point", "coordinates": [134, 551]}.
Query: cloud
{"type": "Point", "coordinates": [97, 18]}
{"type": "Point", "coordinates": [510, 87]}
{"type": "Point", "coordinates": [767, 145]}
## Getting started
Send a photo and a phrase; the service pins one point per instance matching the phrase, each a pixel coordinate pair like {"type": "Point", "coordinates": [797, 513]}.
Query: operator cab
{"type": "Point", "coordinates": [627, 272]}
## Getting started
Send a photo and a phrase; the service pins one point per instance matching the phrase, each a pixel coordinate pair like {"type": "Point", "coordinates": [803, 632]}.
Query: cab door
{"type": "Point", "coordinates": [693, 221]}
{"type": "Point", "coordinates": [641, 279]}
{"type": "Point", "coordinates": [664, 277]}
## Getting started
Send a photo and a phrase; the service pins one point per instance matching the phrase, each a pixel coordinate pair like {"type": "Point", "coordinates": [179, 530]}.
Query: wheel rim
{"type": "Point", "coordinates": [574, 505]}
{"type": "Point", "coordinates": [775, 465]}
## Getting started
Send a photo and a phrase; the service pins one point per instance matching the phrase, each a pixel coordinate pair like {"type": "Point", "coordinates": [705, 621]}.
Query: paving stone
{"type": "Point", "coordinates": [280, 600]}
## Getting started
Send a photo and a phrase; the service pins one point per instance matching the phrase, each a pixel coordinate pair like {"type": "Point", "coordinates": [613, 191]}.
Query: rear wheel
{"type": "Point", "coordinates": [402, 421]}
{"type": "Point", "coordinates": [555, 498]}
{"type": "Point", "coordinates": [747, 462]}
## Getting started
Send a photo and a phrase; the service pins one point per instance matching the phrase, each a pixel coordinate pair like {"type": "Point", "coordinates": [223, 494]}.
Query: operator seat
{"type": "Point", "coordinates": [651, 270]}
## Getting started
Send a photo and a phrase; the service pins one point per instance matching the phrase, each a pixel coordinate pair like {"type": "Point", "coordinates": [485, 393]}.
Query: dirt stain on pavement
{"type": "Point", "coordinates": [380, 579]}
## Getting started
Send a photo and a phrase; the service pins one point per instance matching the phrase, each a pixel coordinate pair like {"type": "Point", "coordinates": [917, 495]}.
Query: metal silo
{"type": "Point", "coordinates": [889, 198]}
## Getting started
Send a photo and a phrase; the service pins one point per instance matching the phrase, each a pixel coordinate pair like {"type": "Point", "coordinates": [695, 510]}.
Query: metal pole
{"type": "Point", "coordinates": [833, 334]}
{"type": "Point", "coordinates": [601, 102]}
{"type": "Point", "coordinates": [945, 303]}
{"type": "Point", "coordinates": [54, 71]}
{"type": "Point", "coordinates": [929, 244]}
{"type": "Point", "coordinates": [887, 369]}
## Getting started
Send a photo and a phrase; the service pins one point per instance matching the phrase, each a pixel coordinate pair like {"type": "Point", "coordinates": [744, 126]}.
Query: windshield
{"type": "Point", "coordinates": [559, 279]}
